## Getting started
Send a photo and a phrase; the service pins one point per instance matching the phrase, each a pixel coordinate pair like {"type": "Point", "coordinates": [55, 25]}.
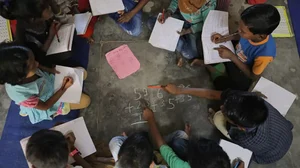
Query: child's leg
{"type": "Point", "coordinates": [134, 26]}
{"type": "Point", "coordinates": [85, 101]}
{"type": "Point", "coordinates": [178, 141]}
{"type": "Point", "coordinates": [189, 46]}
{"type": "Point", "coordinates": [115, 145]}
{"type": "Point", "coordinates": [240, 80]}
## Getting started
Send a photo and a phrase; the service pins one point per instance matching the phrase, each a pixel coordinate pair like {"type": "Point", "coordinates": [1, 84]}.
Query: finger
{"type": "Point", "coordinates": [217, 48]}
{"type": "Point", "coordinates": [221, 46]}
{"type": "Point", "coordinates": [179, 32]}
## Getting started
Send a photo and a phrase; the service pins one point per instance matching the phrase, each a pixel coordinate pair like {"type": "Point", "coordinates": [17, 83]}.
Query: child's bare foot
{"type": "Point", "coordinates": [187, 129]}
{"type": "Point", "coordinates": [180, 62]}
{"type": "Point", "coordinates": [91, 40]}
{"type": "Point", "coordinates": [211, 114]}
{"type": "Point", "coordinates": [198, 62]}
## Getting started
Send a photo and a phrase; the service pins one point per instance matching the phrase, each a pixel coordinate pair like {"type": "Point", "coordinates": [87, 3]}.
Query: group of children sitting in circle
{"type": "Point", "coordinates": [245, 118]}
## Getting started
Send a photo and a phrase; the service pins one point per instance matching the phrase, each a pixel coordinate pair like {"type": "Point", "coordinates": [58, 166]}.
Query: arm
{"type": "Point", "coordinates": [81, 162]}
{"type": "Point", "coordinates": [53, 99]}
{"type": "Point", "coordinates": [199, 92]}
{"type": "Point", "coordinates": [244, 68]}
{"type": "Point", "coordinates": [173, 6]}
{"type": "Point", "coordinates": [49, 70]}
{"type": "Point", "coordinates": [139, 7]}
{"type": "Point", "coordinates": [167, 153]}
{"type": "Point", "coordinates": [51, 35]}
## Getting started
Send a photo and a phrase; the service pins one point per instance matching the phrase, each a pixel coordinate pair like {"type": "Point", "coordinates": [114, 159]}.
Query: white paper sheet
{"type": "Point", "coordinates": [165, 35]}
{"type": "Point", "coordinates": [73, 94]}
{"type": "Point", "coordinates": [83, 141]}
{"type": "Point", "coordinates": [65, 34]}
{"type": "Point", "coordinates": [278, 97]}
{"type": "Point", "coordinates": [82, 21]}
{"type": "Point", "coordinates": [216, 22]}
{"type": "Point", "coordinates": [284, 28]}
{"type": "Point", "coordinates": [235, 151]}
{"type": "Point", "coordinates": [102, 7]}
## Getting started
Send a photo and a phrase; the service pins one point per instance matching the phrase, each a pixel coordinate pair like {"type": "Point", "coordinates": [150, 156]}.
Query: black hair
{"type": "Point", "coordinates": [23, 9]}
{"type": "Point", "coordinates": [13, 63]}
{"type": "Point", "coordinates": [136, 152]}
{"type": "Point", "coordinates": [47, 149]}
{"type": "Point", "coordinates": [204, 153]}
{"type": "Point", "coordinates": [246, 110]}
{"type": "Point", "coordinates": [261, 18]}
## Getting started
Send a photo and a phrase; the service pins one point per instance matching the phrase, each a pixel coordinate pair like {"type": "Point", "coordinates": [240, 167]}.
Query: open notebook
{"type": "Point", "coordinates": [83, 141]}
{"type": "Point", "coordinates": [235, 151]}
{"type": "Point", "coordinates": [5, 31]}
{"type": "Point", "coordinates": [165, 35]}
{"type": "Point", "coordinates": [216, 22]}
{"type": "Point", "coordinates": [66, 35]}
{"type": "Point", "coordinates": [284, 29]}
{"type": "Point", "coordinates": [82, 21]}
{"type": "Point", "coordinates": [102, 7]}
{"type": "Point", "coordinates": [277, 96]}
{"type": "Point", "coordinates": [73, 93]}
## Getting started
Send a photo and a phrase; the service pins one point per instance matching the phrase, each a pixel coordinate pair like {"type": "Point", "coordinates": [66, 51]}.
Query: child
{"type": "Point", "coordinates": [130, 20]}
{"type": "Point", "coordinates": [249, 121]}
{"type": "Point", "coordinates": [51, 149]}
{"type": "Point", "coordinates": [256, 48]}
{"type": "Point", "coordinates": [194, 13]}
{"type": "Point", "coordinates": [201, 153]}
{"type": "Point", "coordinates": [135, 151]}
{"type": "Point", "coordinates": [32, 86]}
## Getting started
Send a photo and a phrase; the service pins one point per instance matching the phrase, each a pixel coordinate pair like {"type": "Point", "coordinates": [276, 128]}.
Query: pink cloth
{"type": "Point", "coordinates": [31, 102]}
{"type": "Point", "coordinates": [122, 61]}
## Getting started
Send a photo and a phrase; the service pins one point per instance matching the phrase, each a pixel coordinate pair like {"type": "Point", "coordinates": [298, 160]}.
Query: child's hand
{"type": "Point", "coordinates": [148, 114]}
{"type": "Point", "coordinates": [216, 38]}
{"type": "Point", "coordinates": [238, 160]}
{"type": "Point", "coordinates": [54, 25]}
{"type": "Point", "coordinates": [173, 89]}
{"type": "Point", "coordinates": [125, 17]}
{"type": "Point", "coordinates": [184, 32]}
{"type": "Point", "coordinates": [161, 19]}
{"type": "Point", "coordinates": [67, 82]}
{"type": "Point", "coordinates": [70, 137]}
{"type": "Point", "coordinates": [224, 52]}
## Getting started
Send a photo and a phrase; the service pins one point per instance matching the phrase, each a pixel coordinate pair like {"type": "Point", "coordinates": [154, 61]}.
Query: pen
{"type": "Point", "coordinates": [163, 14]}
{"type": "Point", "coordinates": [237, 164]}
{"type": "Point", "coordinates": [56, 33]}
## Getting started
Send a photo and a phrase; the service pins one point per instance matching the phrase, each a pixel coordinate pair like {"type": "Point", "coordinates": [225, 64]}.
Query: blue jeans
{"type": "Point", "coordinates": [187, 44]}
{"type": "Point", "coordinates": [178, 141]}
{"type": "Point", "coordinates": [134, 26]}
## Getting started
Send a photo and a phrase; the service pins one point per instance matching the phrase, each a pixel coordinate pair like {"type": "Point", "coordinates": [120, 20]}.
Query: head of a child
{"type": "Point", "coordinates": [204, 153]}
{"type": "Point", "coordinates": [136, 152]}
{"type": "Point", "coordinates": [258, 21]}
{"type": "Point", "coordinates": [16, 63]}
{"type": "Point", "coordinates": [47, 149]}
{"type": "Point", "coordinates": [245, 111]}
{"type": "Point", "coordinates": [30, 10]}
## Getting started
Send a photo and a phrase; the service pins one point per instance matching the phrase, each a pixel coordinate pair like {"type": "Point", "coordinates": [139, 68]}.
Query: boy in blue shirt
{"type": "Point", "coordinates": [255, 50]}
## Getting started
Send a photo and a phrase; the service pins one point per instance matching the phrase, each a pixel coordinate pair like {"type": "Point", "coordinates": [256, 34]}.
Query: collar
{"type": "Point", "coordinates": [260, 43]}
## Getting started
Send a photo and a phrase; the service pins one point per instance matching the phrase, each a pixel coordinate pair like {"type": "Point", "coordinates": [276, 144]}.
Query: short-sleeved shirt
{"type": "Point", "coordinates": [171, 158]}
{"type": "Point", "coordinates": [270, 141]}
{"type": "Point", "coordinates": [28, 95]}
{"type": "Point", "coordinates": [256, 55]}
{"type": "Point", "coordinates": [197, 18]}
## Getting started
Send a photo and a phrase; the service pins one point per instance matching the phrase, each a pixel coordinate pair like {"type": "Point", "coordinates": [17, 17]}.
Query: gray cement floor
{"type": "Point", "coordinates": [115, 103]}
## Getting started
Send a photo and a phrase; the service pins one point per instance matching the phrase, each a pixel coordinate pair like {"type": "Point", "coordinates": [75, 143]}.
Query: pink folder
{"type": "Point", "coordinates": [122, 61]}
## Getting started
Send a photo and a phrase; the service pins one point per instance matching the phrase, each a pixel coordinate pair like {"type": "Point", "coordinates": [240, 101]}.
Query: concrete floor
{"type": "Point", "coordinates": [115, 103]}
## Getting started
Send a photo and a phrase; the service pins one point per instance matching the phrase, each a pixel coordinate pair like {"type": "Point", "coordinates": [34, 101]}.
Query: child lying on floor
{"type": "Point", "coordinates": [31, 85]}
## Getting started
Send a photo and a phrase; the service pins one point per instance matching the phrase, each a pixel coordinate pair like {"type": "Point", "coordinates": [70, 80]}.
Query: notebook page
{"type": "Point", "coordinates": [64, 34]}
{"type": "Point", "coordinates": [5, 32]}
{"type": "Point", "coordinates": [73, 93]}
{"type": "Point", "coordinates": [216, 22]}
{"type": "Point", "coordinates": [235, 151]}
{"type": "Point", "coordinates": [82, 21]}
{"type": "Point", "coordinates": [71, 38]}
{"type": "Point", "coordinates": [165, 35]}
{"type": "Point", "coordinates": [277, 96]}
{"type": "Point", "coordinates": [101, 7]}
{"type": "Point", "coordinates": [284, 28]}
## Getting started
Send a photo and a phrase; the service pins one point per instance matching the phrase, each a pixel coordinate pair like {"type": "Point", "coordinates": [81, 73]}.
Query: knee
{"type": "Point", "coordinates": [136, 31]}
{"type": "Point", "coordinates": [181, 135]}
{"type": "Point", "coordinates": [85, 100]}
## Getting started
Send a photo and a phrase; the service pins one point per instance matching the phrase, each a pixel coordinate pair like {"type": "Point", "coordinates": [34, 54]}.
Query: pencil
{"type": "Point", "coordinates": [230, 35]}
{"type": "Point", "coordinates": [154, 86]}
{"type": "Point", "coordinates": [163, 14]}
{"type": "Point", "coordinates": [56, 33]}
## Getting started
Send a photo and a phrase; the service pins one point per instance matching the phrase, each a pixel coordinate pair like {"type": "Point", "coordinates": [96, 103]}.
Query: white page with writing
{"type": "Point", "coordinates": [65, 34]}
{"type": "Point", "coordinates": [278, 97]}
{"type": "Point", "coordinates": [102, 7]}
{"type": "Point", "coordinates": [216, 22]}
{"type": "Point", "coordinates": [5, 32]}
{"type": "Point", "coordinates": [235, 151]}
{"type": "Point", "coordinates": [82, 21]}
{"type": "Point", "coordinates": [165, 35]}
{"type": "Point", "coordinates": [83, 140]}
{"type": "Point", "coordinates": [73, 93]}
{"type": "Point", "coordinates": [284, 27]}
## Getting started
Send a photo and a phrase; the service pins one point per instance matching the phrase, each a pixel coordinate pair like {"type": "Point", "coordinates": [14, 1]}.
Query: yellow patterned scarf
{"type": "Point", "coordinates": [190, 6]}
